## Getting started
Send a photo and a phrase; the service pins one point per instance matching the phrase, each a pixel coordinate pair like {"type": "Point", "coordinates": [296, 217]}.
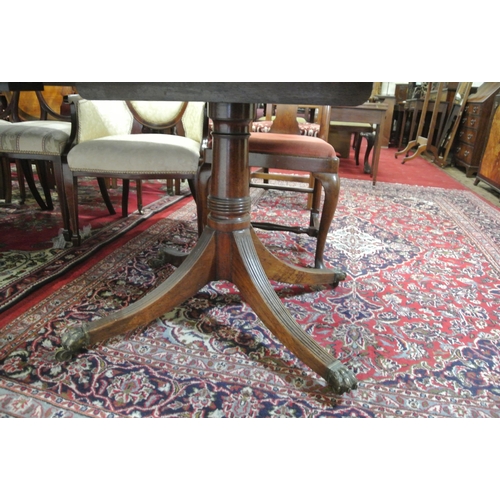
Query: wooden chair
{"type": "Point", "coordinates": [307, 126]}
{"type": "Point", "coordinates": [39, 142]}
{"type": "Point", "coordinates": [283, 148]}
{"type": "Point", "coordinates": [105, 145]}
{"type": "Point", "coordinates": [46, 122]}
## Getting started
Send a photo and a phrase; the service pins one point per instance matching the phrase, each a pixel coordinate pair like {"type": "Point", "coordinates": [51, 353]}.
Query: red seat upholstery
{"type": "Point", "coordinates": [287, 144]}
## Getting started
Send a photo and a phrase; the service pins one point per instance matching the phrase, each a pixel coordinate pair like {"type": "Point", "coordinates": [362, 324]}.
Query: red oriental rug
{"type": "Point", "coordinates": [416, 320]}
{"type": "Point", "coordinates": [32, 255]}
{"type": "Point", "coordinates": [417, 172]}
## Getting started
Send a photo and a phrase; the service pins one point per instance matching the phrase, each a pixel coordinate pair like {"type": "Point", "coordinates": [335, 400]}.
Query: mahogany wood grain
{"type": "Point", "coordinates": [227, 249]}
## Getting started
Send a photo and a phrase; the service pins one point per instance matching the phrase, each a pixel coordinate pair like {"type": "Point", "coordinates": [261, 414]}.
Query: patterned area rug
{"type": "Point", "coordinates": [416, 320]}
{"type": "Point", "coordinates": [30, 249]}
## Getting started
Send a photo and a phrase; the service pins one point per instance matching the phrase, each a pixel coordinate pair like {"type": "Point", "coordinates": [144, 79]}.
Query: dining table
{"type": "Point", "coordinates": [228, 248]}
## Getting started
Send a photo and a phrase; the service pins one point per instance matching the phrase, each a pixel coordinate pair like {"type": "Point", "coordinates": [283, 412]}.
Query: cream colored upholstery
{"type": "Point", "coordinates": [351, 124]}
{"type": "Point", "coordinates": [136, 154]}
{"type": "Point", "coordinates": [105, 144]}
{"type": "Point", "coordinates": [193, 119]}
{"type": "Point", "coordinates": [38, 137]}
{"type": "Point", "coordinates": [106, 147]}
{"type": "Point", "coordinates": [98, 119]}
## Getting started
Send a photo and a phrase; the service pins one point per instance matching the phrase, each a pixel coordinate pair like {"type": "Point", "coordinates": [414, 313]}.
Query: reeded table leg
{"type": "Point", "coordinates": [228, 249]}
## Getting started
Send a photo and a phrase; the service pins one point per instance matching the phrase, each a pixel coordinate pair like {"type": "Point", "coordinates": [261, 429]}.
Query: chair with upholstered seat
{"type": "Point", "coordinates": [40, 142]}
{"type": "Point", "coordinates": [284, 148]}
{"type": "Point", "coordinates": [105, 145]}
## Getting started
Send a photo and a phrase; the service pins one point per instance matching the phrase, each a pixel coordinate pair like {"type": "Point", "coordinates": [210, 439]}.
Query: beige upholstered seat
{"type": "Point", "coordinates": [40, 137]}
{"type": "Point", "coordinates": [106, 146]}
{"type": "Point", "coordinates": [139, 154]}
{"type": "Point", "coordinates": [41, 141]}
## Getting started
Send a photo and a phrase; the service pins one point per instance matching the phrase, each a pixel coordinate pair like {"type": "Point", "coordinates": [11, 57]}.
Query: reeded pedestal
{"type": "Point", "coordinates": [228, 249]}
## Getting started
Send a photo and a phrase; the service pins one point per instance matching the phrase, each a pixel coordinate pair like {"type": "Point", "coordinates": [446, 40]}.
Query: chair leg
{"type": "Point", "coordinates": [138, 186]}
{"type": "Point", "coordinates": [20, 181]}
{"type": "Point", "coordinates": [70, 184]}
{"type": "Point", "coordinates": [357, 147]}
{"type": "Point", "coordinates": [28, 175]}
{"type": "Point", "coordinates": [105, 195]}
{"type": "Point", "coordinates": [310, 195]}
{"type": "Point", "coordinates": [42, 168]}
{"type": "Point", "coordinates": [6, 181]}
{"type": "Point", "coordinates": [355, 137]}
{"type": "Point", "coordinates": [59, 183]}
{"type": "Point", "coordinates": [331, 186]}
{"type": "Point", "coordinates": [125, 193]}
{"type": "Point", "coordinates": [370, 139]}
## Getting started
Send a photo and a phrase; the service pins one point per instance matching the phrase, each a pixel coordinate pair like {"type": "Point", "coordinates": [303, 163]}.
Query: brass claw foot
{"type": "Point", "coordinates": [338, 276]}
{"type": "Point", "coordinates": [72, 342]}
{"type": "Point", "coordinates": [340, 378]}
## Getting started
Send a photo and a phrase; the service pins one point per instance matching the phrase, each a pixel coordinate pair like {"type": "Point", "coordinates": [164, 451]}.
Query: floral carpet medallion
{"type": "Point", "coordinates": [417, 320]}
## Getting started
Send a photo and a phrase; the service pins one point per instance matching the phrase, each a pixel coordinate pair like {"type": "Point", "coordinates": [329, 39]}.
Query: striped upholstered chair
{"type": "Point", "coordinates": [40, 142]}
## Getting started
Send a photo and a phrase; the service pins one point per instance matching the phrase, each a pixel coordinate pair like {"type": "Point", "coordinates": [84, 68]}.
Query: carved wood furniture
{"type": "Point", "coordinates": [308, 125]}
{"type": "Point", "coordinates": [474, 127]}
{"type": "Point", "coordinates": [228, 248]}
{"type": "Point", "coordinates": [457, 97]}
{"type": "Point", "coordinates": [420, 141]}
{"type": "Point", "coordinates": [367, 113]}
{"type": "Point", "coordinates": [284, 147]}
{"type": "Point", "coordinates": [412, 116]}
{"type": "Point", "coordinates": [105, 146]}
{"type": "Point", "coordinates": [489, 170]}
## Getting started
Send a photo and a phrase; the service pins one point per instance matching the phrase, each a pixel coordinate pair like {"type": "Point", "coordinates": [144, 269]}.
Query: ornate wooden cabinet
{"type": "Point", "coordinates": [473, 130]}
{"type": "Point", "coordinates": [489, 170]}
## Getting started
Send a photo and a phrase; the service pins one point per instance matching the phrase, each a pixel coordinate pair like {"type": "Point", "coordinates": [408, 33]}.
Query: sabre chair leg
{"type": "Point", "coordinates": [28, 175]}
{"type": "Point", "coordinates": [20, 180]}
{"type": "Point", "coordinates": [103, 188]}
{"type": "Point", "coordinates": [42, 168]}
